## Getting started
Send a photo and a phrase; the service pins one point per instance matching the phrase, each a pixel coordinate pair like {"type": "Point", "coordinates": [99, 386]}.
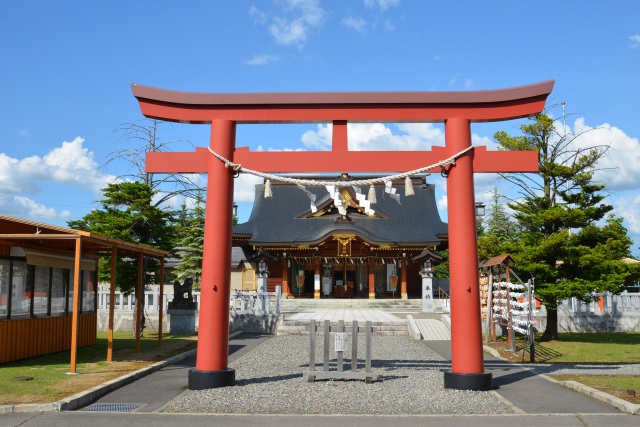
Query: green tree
{"type": "Point", "coordinates": [501, 231]}
{"type": "Point", "coordinates": [560, 243]}
{"type": "Point", "coordinates": [190, 244]}
{"type": "Point", "coordinates": [128, 214]}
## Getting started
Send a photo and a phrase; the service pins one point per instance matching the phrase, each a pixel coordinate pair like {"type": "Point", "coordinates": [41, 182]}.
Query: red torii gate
{"type": "Point", "coordinates": [456, 109]}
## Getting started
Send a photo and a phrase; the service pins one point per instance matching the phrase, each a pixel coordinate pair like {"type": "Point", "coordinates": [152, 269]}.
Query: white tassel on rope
{"type": "Point", "coordinates": [408, 187]}
{"type": "Point", "coordinates": [372, 195]}
{"type": "Point", "coordinates": [267, 190]}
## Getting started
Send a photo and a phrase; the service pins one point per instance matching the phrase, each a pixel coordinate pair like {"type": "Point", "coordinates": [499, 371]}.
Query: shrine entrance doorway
{"type": "Point", "coordinates": [458, 161]}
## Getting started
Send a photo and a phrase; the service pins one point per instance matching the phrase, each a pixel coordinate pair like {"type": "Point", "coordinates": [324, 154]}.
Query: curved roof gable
{"type": "Point", "coordinates": [287, 218]}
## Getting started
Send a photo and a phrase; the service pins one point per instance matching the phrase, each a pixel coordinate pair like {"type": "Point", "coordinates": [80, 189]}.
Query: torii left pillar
{"type": "Point", "coordinates": [212, 359]}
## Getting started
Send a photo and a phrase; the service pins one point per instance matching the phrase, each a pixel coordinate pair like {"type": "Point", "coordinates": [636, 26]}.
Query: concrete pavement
{"type": "Point", "coordinates": [535, 399]}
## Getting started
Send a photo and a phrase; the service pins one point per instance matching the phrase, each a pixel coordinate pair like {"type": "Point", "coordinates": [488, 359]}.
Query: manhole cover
{"type": "Point", "coordinates": [113, 407]}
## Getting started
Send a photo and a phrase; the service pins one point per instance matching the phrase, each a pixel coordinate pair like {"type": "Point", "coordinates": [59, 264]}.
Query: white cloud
{"type": "Point", "coordinates": [261, 59]}
{"type": "Point", "coordinates": [355, 23]}
{"type": "Point", "coordinates": [381, 4]}
{"type": "Point", "coordinates": [69, 164]}
{"type": "Point", "coordinates": [318, 140]}
{"type": "Point", "coordinates": [23, 133]}
{"type": "Point", "coordinates": [621, 166]}
{"type": "Point", "coordinates": [378, 136]}
{"type": "Point", "coordinates": [73, 163]}
{"type": "Point", "coordinates": [32, 208]}
{"type": "Point", "coordinates": [259, 16]}
{"type": "Point", "coordinates": [635, 41]}
{"type": "Point", "coordinates": [244, 187]}
{"type": "Point", "coordinates": [293, 22]}
{"type": "Point", "coordinates": [442, 207]}
{"type": "Point", "coordinates": [629, 209]}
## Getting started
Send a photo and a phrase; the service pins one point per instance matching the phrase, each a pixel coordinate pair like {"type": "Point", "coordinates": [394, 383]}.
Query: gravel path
{"type": "Point", "coordinates": [269, 381]}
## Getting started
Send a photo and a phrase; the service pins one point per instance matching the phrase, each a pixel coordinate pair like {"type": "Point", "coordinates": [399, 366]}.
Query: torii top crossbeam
{"type": "Point", "coordinates": [340, 108]}
{"type": "Point", "coordinates": [456, 109]}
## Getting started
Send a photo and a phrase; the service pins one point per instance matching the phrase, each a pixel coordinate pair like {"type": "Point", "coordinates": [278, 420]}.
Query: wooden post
{"type": "Point", "coordinates": [161, 301]}
{"type": "Point", "coordinates": [403, 279]}
{"type": "Point", "coordinates": [511, 336]}
{"type": "Point", "coordinates": [372, 283]}
{"type": "Point", "coordinates": [285, 278]}
{"type": "Point", "coordinates": [76, 301]}
{"type": "Point", "coordinates": [139, 300]}
{"type": "Point", "coordinates": [112, 298]}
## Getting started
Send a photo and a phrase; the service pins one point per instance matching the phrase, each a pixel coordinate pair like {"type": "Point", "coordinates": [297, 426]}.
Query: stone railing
{"type": "Point", "coordinates": [241, 301]}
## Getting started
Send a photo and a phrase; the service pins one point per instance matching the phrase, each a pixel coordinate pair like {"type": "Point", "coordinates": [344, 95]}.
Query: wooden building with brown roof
{"type": "Point", "coordinates": [48, 287]}
{"type": "Point", "coordinates": [340, 246]}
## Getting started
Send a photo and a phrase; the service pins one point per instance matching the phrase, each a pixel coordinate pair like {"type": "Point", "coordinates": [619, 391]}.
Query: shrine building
{"type": "Point", "coordinates": [340, 246]}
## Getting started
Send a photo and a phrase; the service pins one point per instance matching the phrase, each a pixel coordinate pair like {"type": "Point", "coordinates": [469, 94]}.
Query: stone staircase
{"type": "Point", "coordinates": [392, 305]}
{"type": "Point", "coordinates": [297, 312]}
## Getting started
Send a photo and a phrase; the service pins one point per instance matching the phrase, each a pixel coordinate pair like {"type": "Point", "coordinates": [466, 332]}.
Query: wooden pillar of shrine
{"type": "Point", "coordinates": [372, 279]}
{"type": "Point", "coordinates": [285, 278]}
{"type": "Point", "coordinates": [403, 280]}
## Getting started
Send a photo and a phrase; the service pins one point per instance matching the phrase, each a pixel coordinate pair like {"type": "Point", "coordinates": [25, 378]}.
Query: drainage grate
{"type": "Point", "coordinates": [113, 407]}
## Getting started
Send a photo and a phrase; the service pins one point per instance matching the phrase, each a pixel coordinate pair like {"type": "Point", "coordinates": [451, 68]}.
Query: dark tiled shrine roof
{"type": "Point", "coordinates": [283, 220]}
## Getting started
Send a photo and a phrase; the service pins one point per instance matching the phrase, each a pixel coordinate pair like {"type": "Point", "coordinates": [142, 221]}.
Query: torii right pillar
{"type": "Point", "coordinates": [467, 365]}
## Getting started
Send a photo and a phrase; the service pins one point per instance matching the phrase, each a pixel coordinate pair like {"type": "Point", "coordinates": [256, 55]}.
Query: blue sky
{"type": "Point", "coordinates": [66, 68]}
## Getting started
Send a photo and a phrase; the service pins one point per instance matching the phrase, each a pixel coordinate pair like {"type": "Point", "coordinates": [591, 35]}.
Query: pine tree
{"type": "Point", "coordinates": [128, 214]}
{"type": "Point", "coordinates": [501, 231]}
{"type": "Point", "coordinates": [561, 244]}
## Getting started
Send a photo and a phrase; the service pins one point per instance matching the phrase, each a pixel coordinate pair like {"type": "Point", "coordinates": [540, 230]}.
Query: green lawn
{"type": "Point", "coordinates": [45, 379]}
{"type": "Point", "coordinates": [596, 347]}
{"type": "Point", "coordinates": [612, 347]}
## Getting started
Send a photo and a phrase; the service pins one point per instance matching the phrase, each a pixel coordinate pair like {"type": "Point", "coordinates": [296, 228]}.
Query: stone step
{"type": "Point", "coordinates": [375, 330]}
{"type": "Point", "coordinates": [378, 328]}
{"type": "Point", "coordinates": [290, 305]}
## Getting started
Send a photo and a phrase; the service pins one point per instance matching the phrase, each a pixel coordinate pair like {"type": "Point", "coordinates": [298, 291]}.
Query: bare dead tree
{"type": "Point", "coordinates": [143, 138]}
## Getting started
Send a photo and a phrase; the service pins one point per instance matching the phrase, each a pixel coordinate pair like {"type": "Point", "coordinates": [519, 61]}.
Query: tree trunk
{"type": "Point", "coordinates": [551, 331]}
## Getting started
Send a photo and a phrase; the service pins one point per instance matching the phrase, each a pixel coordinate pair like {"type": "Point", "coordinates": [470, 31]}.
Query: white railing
{"type": "Point", "coordinates": [127, 302]}
{"type": "Point", "coordinates": [241, 302]}
{"type": "Point", "coordinates": [629, 302]}
{"type": "Point", "coordinates": [244, 302]}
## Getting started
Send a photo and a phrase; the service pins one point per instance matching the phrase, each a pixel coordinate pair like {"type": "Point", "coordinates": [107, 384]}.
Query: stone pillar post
{"type": "Point", "coordinates": [427, 291]}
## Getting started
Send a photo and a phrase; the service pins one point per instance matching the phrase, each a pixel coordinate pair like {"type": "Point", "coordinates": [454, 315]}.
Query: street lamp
{"type": "Point", "coordinates": [235, 209]}
{"type": "Point", "coordinates": [479, 209]}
